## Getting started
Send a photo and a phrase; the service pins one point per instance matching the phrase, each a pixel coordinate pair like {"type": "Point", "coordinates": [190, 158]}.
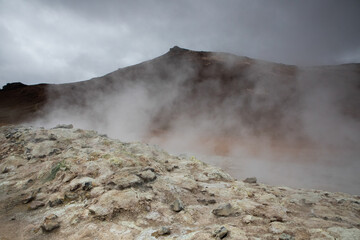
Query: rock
{"type": "Point", "coordinates": [247, 219]}
{"type": "Point", "coordinates": [36, 204]}
{"type": "Point", "coordinates": [50, 223]}
{"type": "Point", "coordinates": [29, 197]}
{"type": "Point", "coordinates": [147, 175]}
{"type": "Point", "coordinates": [171, 168]}
{"type": "Point", "coordinates": [220, 233]}
{"type": "Point", "coordinates": [52, 137]}
{"type": "Point", "coordinates": [110, 202]}
{"type": "Point", "coordinates": [42, 149]}
{"type": "Point", "coordinates": [344, 233]}
{"type": "Point", "coordinates": [84, 183]}
{"type": "Point", "coordinates": [56, 199]}
{"type": "Point", "coordinates": [224, 210]}
{"type": "Point", "coordinates": [250, 180]}
{"type": "Point", "coordinates": [122, 182]}
{"type": "Point", "coordinates": [87, 186]}
{"type": "Point", "coordinates": [206, 201]}
{"type": "Point", "coordinates": [5, 170]}
{"type": "Point", "coordinates": [96, 192]}
{"type": "Point", "coordinates": [71, 195]}
{"type": "Point", "coordinates": [56, 202]}
{"type": "Point", "coordinates": [285, 236]}
{"type": "Point", "coordinates": [277, 227]}
{"type": "Point", "coordinates": [163, 231]}
{"type": "Point", "coordinates": [64, 126]}
{"type": "Point", "coordinates": [177, 206]}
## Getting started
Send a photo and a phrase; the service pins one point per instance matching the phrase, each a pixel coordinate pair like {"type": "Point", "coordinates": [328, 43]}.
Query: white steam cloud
{"type": "Point", "coordinates": [285, 125]}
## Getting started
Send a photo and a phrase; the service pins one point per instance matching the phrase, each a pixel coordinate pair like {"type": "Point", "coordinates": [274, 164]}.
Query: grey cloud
{"type": "Point", "coordinates": [66, 41]}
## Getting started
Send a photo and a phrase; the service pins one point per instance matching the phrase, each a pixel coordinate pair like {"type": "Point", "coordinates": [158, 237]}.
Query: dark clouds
{"type": "Point", "coordinates": [65, 41]}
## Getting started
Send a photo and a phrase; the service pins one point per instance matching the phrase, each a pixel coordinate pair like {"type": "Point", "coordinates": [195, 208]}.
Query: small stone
{"type": "Point", "coordinates": [87, 186]}
{"type": "Point", "coordinates": [163, 231]}
{"type": "Point", "coordinates": [65, 126]}
{"type": "Point", "coordinates": [50, 223]}
{"type": "Point", "coordinates": [56, 202]}
{"type": "Point", "coordinates": [224, 210]}
{"type": "Point", "coordinates": [54, 151]}
{"type": "Point", "coordinates": [75, 187]}
{"type": "Point", "coordinates": [147, 175]}
{"type": "Point", "coordinates": [277, 227]}
{"type": "Point", "coordinates": [71, 195]}
{"type": "Point", "coordinates": [247, 219]}
{"type": "Point", "coordinates": [29, 197]}
{"type": "Point", "coordinates": [127, 182]}
{"type": "Point", "coordinates": [221, 233]}
{"type": "Point", "coordinates": [171, 168]}
{"type": "Point", "coordinates": [207, 201]}
{"type": "Point", "coordinates": [250, 180]}
{"type": "Point", "coordinates": [52, 137]}
{"type": "Point", "coordinates": [177, 206]}
{"type": "Point", "coordinates": [285, 236]}
{"type": "Point", "coordinates": [36, 204]}
{"type": "Point", "coordinates": [5, 170]}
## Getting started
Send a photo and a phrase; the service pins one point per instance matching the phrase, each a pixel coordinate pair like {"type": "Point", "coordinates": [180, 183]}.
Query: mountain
{"type": "Point", "coordinates": [285, 124]}
{"type": "Point", "coordinates": [231, 97]}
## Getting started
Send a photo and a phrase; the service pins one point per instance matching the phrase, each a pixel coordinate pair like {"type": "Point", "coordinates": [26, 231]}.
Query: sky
{"type": "Point", "coordinates": [62, 41]}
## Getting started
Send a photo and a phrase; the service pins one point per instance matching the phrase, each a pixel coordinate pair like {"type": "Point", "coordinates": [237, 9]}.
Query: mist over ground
{"type": "Point", "coordinates": [286, 125]}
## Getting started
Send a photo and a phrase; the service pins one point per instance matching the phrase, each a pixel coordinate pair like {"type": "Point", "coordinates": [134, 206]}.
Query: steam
{"type": "Point", "coordinates": [284, 124]}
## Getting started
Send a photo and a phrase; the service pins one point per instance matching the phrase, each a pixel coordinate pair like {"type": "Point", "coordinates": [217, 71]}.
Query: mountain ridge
{"type": "Point", "coordinates": [267, 98]}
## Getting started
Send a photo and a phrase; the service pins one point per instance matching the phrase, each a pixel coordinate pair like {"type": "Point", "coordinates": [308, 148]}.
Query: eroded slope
{"type": "Point", "coordinates": [66, 183]}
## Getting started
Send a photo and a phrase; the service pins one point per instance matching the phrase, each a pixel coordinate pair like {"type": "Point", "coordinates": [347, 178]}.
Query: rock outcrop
{"type": "Point", "coordinates": [66, 183]}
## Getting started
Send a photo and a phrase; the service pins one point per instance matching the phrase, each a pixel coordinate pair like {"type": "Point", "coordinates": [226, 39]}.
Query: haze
{"type": "Point", "coordinates": [70, 41]}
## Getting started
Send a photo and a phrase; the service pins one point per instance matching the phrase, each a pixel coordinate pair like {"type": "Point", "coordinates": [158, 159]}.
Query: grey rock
{"type": "Point", "coordinates": [285, 236]}
{"type": "Point", "coordinates": [177, 206]}
{"type": "Point", "coordinates": [87, 186]}
{"type": "Point", "coordinates": [163, 231]}
{"type": "Point", "coordinates": [147, 175]}
{"type": "Point", "coordinates": [65, 126]}
{"type": "Point", "coordinates": [171, 168]}
{"type": "Point", "coordinates": [56, 202]}
{"type": "Point", "coordinates": [52, 137]}
{"type": "Point", "coordinates": [50, 223]}
{"type": "Point", "coordinates": [127, 182]}
{"type": "Point", "coordinates": [71, 195]}
{"type": "Point", "coordinates": [54, 151]}
{"type": "Point", "coordinates": [221, 233]}
{"type": "Point", "coordinates": [29, 197]}
{"type": "Point", "coordinates": [250, 180]}
{"type": "Point", "coordinates": [36, 204]}
{"type": "Point", "coordinates": [206, 201]}
{"type": "Point", "coordinates": [224, 210]}
{"type": "Point", "coordinates": [5, 170]}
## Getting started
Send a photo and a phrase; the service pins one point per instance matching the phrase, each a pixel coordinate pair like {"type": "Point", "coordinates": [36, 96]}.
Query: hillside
{"type": "Point", "coordinates": [186, 87]}
{"type": "Point", "coordinates": [66, 183]}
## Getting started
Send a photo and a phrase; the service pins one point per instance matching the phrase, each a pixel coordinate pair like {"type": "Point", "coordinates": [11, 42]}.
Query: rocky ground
{"type": "Point", "coordinates": [66, 183]}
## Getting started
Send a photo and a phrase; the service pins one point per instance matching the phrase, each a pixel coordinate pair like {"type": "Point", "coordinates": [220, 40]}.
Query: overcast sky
{"type": "Point", "coordinates": [65, 40]}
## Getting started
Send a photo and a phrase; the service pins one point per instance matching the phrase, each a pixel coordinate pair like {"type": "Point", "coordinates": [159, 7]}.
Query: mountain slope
{"type": "Point", "coordinates": [65, 183]}
{"type": "Point", "coordinates": [230, 97]}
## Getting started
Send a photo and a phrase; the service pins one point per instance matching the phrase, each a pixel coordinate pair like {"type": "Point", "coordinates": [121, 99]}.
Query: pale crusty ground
{"type": "Point", "coordinates": [101, 188]}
